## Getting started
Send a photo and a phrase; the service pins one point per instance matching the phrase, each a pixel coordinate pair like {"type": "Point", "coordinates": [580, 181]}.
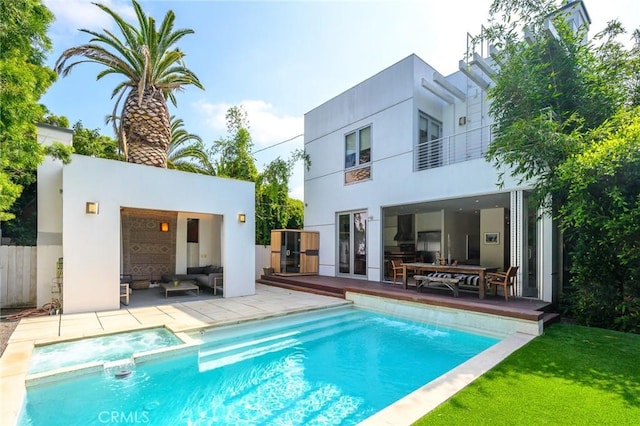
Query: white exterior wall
{"type": "Point", "coordinates": [92, 242]}
{"type": "Point", "coordinates": [49, 218]}
{"type": "Point", "coordinates": [209, 248]}
{"type": "Point", "coordinates": [390, 102]}
{"type": "Point", "coordinates": [391, 120]}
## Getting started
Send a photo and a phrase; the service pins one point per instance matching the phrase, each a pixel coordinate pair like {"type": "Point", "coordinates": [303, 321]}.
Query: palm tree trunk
{"type": "Point", "coordinates": [146, 128]}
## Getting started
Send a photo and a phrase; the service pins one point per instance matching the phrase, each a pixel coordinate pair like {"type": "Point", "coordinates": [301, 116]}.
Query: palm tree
{"type": "Point", "coordinates": [186, 151]}
{"type": "Point", "coordinates": [152, 72]}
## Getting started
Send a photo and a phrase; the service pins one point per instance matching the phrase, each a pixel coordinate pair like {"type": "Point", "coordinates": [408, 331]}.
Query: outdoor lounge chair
{"type": "Point", "coordinates": [505, 279]}
{"type": "Point", "coordinates": [126, 279]}
{"type": "Point", "coordinates": [447, 280]}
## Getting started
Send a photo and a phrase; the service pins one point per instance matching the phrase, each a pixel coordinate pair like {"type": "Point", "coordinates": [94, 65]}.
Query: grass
{"type": "Point", "coordinates": [571, 375]}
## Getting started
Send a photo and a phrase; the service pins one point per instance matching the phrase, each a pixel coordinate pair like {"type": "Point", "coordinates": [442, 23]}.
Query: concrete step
{"type": "Point", "coordinates": [308, 289]}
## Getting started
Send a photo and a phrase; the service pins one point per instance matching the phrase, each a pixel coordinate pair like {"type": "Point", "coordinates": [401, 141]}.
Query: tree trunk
{"type": "Point", "coordinates": [146, 128]}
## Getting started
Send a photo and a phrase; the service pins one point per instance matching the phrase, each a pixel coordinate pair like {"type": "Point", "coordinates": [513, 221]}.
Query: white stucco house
{"type": "Point", "coordinates": [102, 217]}
{"type": "Point", "coordinates": [398, 171]}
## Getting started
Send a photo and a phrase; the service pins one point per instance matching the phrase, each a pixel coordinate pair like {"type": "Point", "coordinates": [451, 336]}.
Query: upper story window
{"type": "Point", "coordinates": [429, 142]}
{"type": "Point", "coordinates": [357, 147]}
{"type": "Point", "coordinates": [357, 155]}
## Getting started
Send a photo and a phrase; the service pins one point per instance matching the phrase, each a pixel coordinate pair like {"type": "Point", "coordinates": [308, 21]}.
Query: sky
{"type": "Point", "coordinates": [278, 59]}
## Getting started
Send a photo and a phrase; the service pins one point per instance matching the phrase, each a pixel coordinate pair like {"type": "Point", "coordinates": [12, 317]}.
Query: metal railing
{"type": "Point", "coordinates": [456, 148]}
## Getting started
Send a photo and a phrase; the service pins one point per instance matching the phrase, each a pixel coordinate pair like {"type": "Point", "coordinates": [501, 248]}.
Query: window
{"type": "Point", "coordinates": [357, 155]}
{"type": "Point", "coordinates": [357, 148]}
{"type": "Point", "coordinates": [429, 143]}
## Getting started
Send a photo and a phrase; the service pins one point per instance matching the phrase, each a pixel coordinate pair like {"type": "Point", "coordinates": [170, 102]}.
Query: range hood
{"type": "Point", "coordinates": [405, 228]}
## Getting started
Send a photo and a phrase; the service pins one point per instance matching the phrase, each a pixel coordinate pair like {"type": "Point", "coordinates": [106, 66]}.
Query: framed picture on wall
{"type": "Point", "coordinates": [492, 238]}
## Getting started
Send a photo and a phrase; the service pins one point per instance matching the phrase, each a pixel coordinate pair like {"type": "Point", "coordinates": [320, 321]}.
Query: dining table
{"type": "Point", "coordinates": [451, 269]}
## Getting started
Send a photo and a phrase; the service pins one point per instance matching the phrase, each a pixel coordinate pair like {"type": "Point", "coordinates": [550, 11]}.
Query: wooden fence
{"type": "Point", "coordinates": [17, 276]}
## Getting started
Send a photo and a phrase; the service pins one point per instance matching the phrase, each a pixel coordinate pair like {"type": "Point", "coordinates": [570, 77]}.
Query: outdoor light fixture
{"type": "Point", "coordinates": [164, 226]}
{"type": "Point", "coordinates": [242, 218]}
{"type": "Point", "coordinates": [91, 207]}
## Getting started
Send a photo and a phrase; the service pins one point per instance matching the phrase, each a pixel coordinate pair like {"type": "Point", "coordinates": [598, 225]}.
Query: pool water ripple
{"type": "Point", "coordinates": [333, 367]}
{"type": "Point", "coordinates": [104, 348]}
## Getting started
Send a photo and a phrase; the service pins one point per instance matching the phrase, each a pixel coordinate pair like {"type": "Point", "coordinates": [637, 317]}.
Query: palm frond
{"type": "Point", "coordinates": [186, 150]}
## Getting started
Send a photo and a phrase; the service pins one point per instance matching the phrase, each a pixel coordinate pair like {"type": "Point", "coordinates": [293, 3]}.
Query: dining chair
{"type": "Point", "coordinates": [506, 280]}
{"type": "Point", "coordinates": [397, 269]}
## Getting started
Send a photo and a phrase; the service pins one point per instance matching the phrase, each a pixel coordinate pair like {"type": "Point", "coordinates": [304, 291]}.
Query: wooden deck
{"type": "Point", "coordinates": [522, 308]}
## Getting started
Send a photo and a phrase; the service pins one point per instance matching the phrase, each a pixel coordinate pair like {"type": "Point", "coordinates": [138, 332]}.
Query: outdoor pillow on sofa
{"type": "Point", "coordinates": [202, 275]}
{"type": "Point", "coordinates": [198, 270]}
{"type": "Point", "coordinates": [205, 275]}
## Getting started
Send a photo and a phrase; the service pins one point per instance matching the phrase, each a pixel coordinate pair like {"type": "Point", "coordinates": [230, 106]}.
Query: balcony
{"type": "Point", "coordinates": [457, 148]}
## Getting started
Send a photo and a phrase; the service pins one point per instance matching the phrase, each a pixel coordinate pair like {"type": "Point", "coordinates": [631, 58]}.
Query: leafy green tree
{"type": "Point", "coordinates": [23, 80]}
{"type": "Point", "coordinates": [22, 229]}
{"type": "Point", "coordinates": [153, 70]}
{"type": "Point", "coordinates": [92, 143]}
{"type": "Point", "coordinates": [233, 153]}
{"type": "Point", "coordinates": [186, 150]}
{"type": "Point", "coordinates": [55, 120]}
{"type": "Point", "coordinates": [274, 208]}
{"type": "Point", "coordinates": [561, 124]}
{"type": "Point", "coordinates": [602, 217]}
{"type": "Point", "coordinates": [547, 87]}
{"type": "Point", "coordinates": [296, 214]}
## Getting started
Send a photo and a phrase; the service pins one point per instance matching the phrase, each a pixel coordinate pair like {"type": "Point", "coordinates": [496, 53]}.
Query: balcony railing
{"type": "Point", "coordinates": [457, 148]}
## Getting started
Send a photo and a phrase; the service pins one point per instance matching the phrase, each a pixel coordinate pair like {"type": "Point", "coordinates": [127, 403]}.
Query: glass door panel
{"type": "Point", "coordinates": [352, 243]}
{"type": "Point", "coordinates": [529, 272]}
{"type": "Point", "coordinates": [360, 243]}
{"type": "Point", "coordinates": [344, 244]}
{"type": "Point", "coordinates": [290, 254]}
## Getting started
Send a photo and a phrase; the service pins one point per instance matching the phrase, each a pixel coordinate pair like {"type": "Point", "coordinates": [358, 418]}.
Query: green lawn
{"type": "Point", "coordinates": [571, 375]}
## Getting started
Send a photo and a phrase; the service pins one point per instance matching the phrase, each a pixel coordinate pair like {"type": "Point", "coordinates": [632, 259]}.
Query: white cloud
{"type": "Point", "coordinates": [74, 14]}
{"type": "Point", "coordinates": [266, 125]}
{"type": "Point", "coordinates": [296, 191]}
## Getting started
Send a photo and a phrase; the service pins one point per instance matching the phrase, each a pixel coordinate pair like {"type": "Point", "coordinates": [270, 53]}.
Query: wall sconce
{"type": "Point", "coordinates": [462, 121]}
{"type": "Point", "coordinates": [164, 226]}
{"type": "Point", "coordinates": [242, 218]}
{"type": "Point", "coordinates": [91, 207]}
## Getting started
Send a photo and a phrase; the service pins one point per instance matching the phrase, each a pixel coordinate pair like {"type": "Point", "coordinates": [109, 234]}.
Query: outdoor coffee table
{"type": "Point", "coordinates": [182, 286]}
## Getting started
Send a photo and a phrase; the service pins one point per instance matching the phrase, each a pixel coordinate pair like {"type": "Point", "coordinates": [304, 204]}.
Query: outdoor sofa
{"type": "Point", "coordinates": [205, 276]}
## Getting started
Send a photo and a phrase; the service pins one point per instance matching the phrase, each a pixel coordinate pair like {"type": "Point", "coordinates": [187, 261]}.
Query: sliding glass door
{"type": "Point", "coordinates": [352, 243]}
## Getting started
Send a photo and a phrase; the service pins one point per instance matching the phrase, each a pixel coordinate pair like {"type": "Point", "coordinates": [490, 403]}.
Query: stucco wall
{"type": "Point", "coordinates": [390, 102]}
{"type": "Point", "coordinates": [91, 243]}
{"type": "Point", "coordinates": [49, 213]}
{"type": "Point", "coordinates": [492, 220]}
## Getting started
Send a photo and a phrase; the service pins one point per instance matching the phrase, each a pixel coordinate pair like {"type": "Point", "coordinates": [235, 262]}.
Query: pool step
{"type": "Point", "coordinates": [230, 350]}
{"type": "Point", "coordinates": [222, 336]}
{"type": "Point", "coordinates": [320, 407]}
{"type": "Point", "coordinates": [291, 399]}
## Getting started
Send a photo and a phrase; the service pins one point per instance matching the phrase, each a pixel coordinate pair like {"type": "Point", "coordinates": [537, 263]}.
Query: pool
{"type": "Point", "coordinates": [104, 348]}
{"type": "Point", "coordinates": [338, 366]}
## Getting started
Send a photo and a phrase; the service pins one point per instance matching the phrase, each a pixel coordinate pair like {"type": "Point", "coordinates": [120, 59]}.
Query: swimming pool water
{"type": "Point", "coordinates": [104, 348]}
{"type": "Point", "coordinates": [337, 368]}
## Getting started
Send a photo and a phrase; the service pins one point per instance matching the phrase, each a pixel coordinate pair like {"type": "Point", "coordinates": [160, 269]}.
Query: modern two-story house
{"type": "Point", "coordinates": [399, 172]}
